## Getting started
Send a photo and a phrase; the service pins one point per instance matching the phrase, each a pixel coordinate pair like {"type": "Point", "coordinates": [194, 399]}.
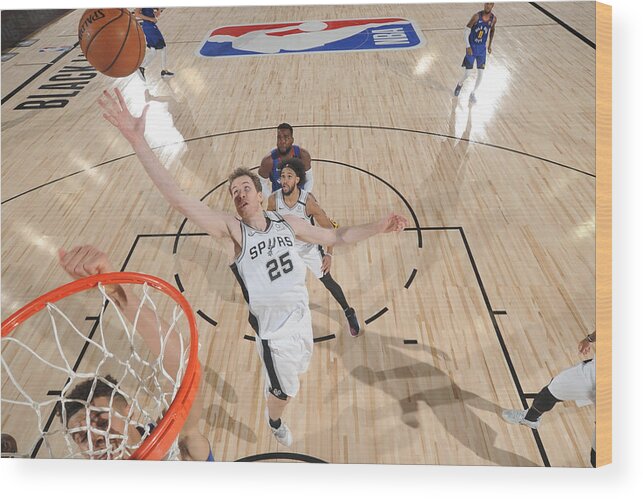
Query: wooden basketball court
{"type": "Point", "coordinates": [471, 310]}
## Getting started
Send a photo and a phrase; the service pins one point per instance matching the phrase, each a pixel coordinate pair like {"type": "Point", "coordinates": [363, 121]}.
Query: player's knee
{"type": "Point", "coordinates": [544, 401]}
{"type": "Point", "coordinates": [277, 393]}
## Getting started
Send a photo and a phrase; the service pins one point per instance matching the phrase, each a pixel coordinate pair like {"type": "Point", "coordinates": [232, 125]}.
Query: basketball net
{"type": "Point", "coordinates": [146, 393]}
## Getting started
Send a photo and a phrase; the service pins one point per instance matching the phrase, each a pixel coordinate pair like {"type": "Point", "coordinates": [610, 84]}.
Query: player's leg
{"type": "Point", "coordinates": [165, 73]}
{"type": "Point", "coordinates": [480, 61]}
{"type": "Point", "coordinates": [312, 257]}
{"type": "Point", "coordinates": [150, 53]}
{"type": "Point", "coordinates": [543, 403]}
{"type": "Point", "coordinates": [576, 383]}
{"type": "Point", "coordinates": [337, 292]}
{"type": "Point", "coordinates": [467, 64]}
{"type": "Point", "coordinates": [285, 359]}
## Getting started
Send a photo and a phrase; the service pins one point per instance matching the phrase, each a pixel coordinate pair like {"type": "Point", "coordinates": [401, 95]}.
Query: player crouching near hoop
{"type": "Point", "coordinates": [95, 413]}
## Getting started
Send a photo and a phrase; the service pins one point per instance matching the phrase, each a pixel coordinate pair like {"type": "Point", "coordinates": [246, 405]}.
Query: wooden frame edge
{"type": "Point", "coordinates": [603, 234]}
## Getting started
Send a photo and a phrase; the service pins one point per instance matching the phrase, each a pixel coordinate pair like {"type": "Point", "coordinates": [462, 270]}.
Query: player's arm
{"type": "Point", "coordinates": [467, 32]}
{"type": "Point", "coordinates": [584, 346]}
{"type": "Point", "coordinates": [264, 175]}
{"type": "Point", "coordinates": [272, 203]}
{"type": "Point", "coordinates": [307, 161]}
{"type": "Point", "coordinates": [321, 219]}
{"type": "Point", "coordinates": [492, 31]}
{"type": "Point", "coordinates": [215, 223]}
{"type": "Point", "coordinates": [83, 261]}
{"type": "Point", "coordinates": [344, 235]}
{"type": "Point", "coordinates": [139, 14]}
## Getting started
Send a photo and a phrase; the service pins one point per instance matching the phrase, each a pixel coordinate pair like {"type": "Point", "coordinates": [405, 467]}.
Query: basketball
{"type": "Point", "coordinates": [112, 41]}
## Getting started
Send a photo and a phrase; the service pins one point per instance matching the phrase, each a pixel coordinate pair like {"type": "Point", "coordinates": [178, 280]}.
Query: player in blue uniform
{"type": "Point", "coordinates": [154, 39]}
{"type": "Point", "coordinates": [480, 28]}
{"type": "Point", "coordinates": [270, 172]}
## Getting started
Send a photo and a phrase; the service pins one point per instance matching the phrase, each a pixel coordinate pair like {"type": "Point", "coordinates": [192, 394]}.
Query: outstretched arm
{"type": "Point", "coordinates": [584, 346]}
{"type": "Point", "coordinates": [215, 223]}
{"type": "Point", "coordinates": [272, 203]}
{"type": "Point", "coordinates": [321, 219]}
{"type": "Point", "coordinates": [345, 235]}
{"type": "Point", "coordinates": [83, 261]}
{"type": "Point", "coordinates": [264, 175]}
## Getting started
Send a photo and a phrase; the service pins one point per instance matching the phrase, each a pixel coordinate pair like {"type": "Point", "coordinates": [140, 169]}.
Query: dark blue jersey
{"type": "Point", "coordinates": [480, 33]}
{"type": "Point", "coordinates": [148, 13]}
{"type": "Point", "coordinates": [275, 173]}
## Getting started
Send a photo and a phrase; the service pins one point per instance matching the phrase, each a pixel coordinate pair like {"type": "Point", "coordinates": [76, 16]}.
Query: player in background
{"type": "Point", "coordinates": [577, 383]}
{"type": "Point", "coordinates": [271, 273]}
{"type": "Point", "coordinates": [269, 170]}
{"type": "Point", "coordinates": [480, 28]}
{"type": "Point", "coordinates": [154, 39]}
{"type": "Point", "coordinates": [107, 427]}
{"type": "Point", "coordinates": [291, 199]}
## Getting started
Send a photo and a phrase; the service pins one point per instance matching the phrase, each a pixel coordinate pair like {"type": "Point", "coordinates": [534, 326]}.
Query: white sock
{"type": "Point", "coordinates": [149, 55]}
{"type": "Point", "coordinates": [308, 186]}
{"type": "Point", "coordinates": [465, 75]}
{"type": "Point", "coordinates": [163, 58]}
{"type": "Point", "coordinates": [478, 79]}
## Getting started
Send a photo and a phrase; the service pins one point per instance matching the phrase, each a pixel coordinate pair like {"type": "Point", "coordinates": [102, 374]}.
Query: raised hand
{"type": "Point", "coordinates": [83, 261]}
{"type": "Point", "coordinates": [326, 263]}
{"type": "Point", "coordinates": [117, 113]}
{"type": "Point", "coordinates": [393, 223]}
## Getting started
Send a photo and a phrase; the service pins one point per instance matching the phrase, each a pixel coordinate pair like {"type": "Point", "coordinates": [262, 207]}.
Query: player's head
{"type": "Point", "coordinates": [245, 188]}
{"type": "Point", "coordinates": [293, 174]}
{"type": "Point", "coordinates": [284, 138]}
{"type": "Point", "coordinates": [98, 402]}
{"type": "Point", "coordinates": [488, 6]}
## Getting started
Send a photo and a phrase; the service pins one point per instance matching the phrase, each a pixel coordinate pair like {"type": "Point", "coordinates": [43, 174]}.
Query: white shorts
{"type": "Point", "coordinates": [576, 383]}
{"type": "Point", "coordinates": [312, 257]}
{"type": "Point", "coordinates": [286, 357]}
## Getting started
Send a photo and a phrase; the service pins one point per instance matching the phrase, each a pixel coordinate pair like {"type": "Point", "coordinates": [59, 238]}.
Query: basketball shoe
{"type": "Point", "coordinates": [282, 434]}
{"type": "Point", "coordinates": [166, 74]}
{"type": "Point", "coordinates": [353, 323]}
{"type": "Point", "coordinates": [458, 87]}
{"type": "Point", "coordinates": [141, 73]}
{"type": "Point", "coordinates": [515, 416]}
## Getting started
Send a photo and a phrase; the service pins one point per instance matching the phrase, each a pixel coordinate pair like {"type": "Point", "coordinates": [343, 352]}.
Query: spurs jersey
{"type": "Point", "coordinates": [272, 276]}
{"type": "Point", "coordinates": [299, 210]}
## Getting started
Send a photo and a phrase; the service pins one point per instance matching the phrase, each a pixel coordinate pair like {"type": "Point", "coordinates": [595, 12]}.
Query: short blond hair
{"type": "Point", "coordinates": [244, 172]}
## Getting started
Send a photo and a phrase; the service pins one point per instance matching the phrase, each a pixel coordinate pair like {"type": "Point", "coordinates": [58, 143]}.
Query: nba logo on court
{"type": "Point", "coordinates": [311, 36]}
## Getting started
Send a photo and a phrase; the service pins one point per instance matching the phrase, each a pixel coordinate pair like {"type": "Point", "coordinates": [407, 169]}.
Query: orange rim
{"type": "Point", "coordinates": [156, 446]}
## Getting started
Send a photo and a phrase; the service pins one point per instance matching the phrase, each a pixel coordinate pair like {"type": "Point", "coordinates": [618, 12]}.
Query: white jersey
{"type": "Point", "coordinates": [299, 210]}
{"type": "Point", "coordinates": [272, 277]}
{"type": "Point", "coordinates": [311, 254]}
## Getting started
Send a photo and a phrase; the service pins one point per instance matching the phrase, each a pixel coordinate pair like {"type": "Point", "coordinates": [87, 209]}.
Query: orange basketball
{"type": "Point", "coordinates": [112, 41]}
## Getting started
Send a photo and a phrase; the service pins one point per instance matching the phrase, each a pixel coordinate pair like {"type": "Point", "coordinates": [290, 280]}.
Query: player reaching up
{"type": "Point", "coordinates": [102, 438]}
{"type": "Point", "coordinates": [271, 273]}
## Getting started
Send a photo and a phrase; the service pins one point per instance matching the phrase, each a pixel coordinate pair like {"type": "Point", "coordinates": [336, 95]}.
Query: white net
{"type": "Point", "coordinates": [78, 386]}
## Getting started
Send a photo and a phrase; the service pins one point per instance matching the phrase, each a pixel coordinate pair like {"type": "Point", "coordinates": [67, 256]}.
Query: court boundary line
{"type": "Point", "coordinates": [574, 32]}
{"type": "Point", "coordinates": [37, 74]}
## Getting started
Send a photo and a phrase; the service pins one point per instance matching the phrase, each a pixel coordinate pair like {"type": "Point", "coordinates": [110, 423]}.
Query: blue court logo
{"type": "Point", "coordinates": [311, 36]}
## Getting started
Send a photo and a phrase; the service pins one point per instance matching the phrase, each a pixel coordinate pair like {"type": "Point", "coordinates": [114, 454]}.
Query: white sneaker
{"type": "Point", "coordinates": [515, 416]}
{"type": "Point", "coordinates": [282, 434]}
